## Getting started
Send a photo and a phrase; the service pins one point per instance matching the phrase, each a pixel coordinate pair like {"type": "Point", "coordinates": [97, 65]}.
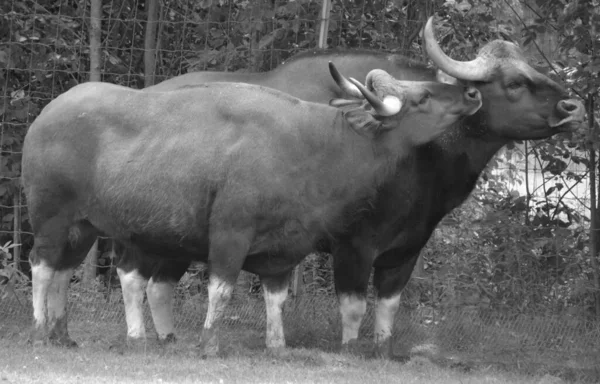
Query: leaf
{"type": "Point", "coordinates": [267, 40]}
{"type": "Point", "coordinates": [205, 4]}
{"type": "Point", "coordinates": [296, 25]}
{"type": "Point", "coordinates": [17, 95]}
{"type": "Point", "coordinates": [7, 218]}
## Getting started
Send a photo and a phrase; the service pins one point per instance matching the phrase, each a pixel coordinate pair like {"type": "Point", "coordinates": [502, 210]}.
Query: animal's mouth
{"type": "Point", "coordinates": [567, 124]}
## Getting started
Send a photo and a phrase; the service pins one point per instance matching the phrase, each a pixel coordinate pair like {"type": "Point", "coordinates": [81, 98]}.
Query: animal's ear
{"type": "Point", "coordinates": [363, 122]}
{"type": "Point", "coordinates": [444, 78]}
{"type": "Point", "coordinates": [339, 103]}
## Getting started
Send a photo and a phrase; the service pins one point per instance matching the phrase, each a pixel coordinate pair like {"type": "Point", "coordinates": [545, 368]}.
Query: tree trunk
{"type": "Point", "coordinates": [95, 39]}
{"type": "Point", "coordinates": [593, 211]}
{"type": "Point", "coordinates": [150, 43]}
{"type": "Point", "coordinates": [324, 29]}
{"type": "Point", "coordinates": [91, 260]}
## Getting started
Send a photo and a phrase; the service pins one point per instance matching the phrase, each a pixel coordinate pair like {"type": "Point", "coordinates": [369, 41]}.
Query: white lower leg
{"type": "Point", "coordinates": [132, 285]}
{"type": "Point", "coordinates": [353, 309]}
{"type": "Point", "coordinates": [274, 304]}
{"type": "Point", "coordinates": [41, 279]}
{"type": "Point", "coordinates": [57, 296]}
{"type": "Point", "coordinates": [219, 293]}
{"type": "Point", "coordinates": [384, 318]}
{"type": "Point", "coordinates": [160, 299]}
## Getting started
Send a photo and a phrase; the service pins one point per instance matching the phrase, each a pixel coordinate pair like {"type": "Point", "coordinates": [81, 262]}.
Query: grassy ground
{"type": "Point", "coordinates": [245, 361]}
{"type": "Point", "coordinates": [432, 347]}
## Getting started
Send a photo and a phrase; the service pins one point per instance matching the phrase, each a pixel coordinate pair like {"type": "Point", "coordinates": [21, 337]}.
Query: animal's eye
{"type": "Point", "coordinates": [515, 85]}
{"type": "Point", "coordinates": [426, 96]}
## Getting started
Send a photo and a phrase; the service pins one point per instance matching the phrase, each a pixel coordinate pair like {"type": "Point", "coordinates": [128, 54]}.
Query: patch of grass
{"type": "Point", "coordinates": [459, 341]}
{"type": "Point", "coordinates": [246, 361]}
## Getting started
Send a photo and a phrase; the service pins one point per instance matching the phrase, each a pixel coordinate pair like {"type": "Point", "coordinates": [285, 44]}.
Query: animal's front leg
{"type": "Point", "coordinates": [41, 279]}
{"type": "Point", "coordinates": [160, 291]}
{"type": "Point", "coordinates": [57, 309]}
{"type": "Point", "coordinates": [228, 249]}
{"type": "Point", "coordinates": [352, 269]}
{"type": "Point", "coordinates": [389, 283]}
{"type": "Point", "coordinates": [132, 286]}
{"type": "Point", "coordinates": [275, 291]}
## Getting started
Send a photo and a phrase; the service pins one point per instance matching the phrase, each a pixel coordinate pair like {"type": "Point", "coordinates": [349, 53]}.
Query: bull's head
{"type": "Point", "coordinates": [422, 109]}
{"type": "Point", "coordinates": [518, 101]}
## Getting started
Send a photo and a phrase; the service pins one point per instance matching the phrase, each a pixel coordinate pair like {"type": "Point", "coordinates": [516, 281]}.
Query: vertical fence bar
{"type": "Point", "coordinates": [324, 30]}
{"type": "Point", "coordinates": [91, 260]}
{"type": "Point", "coordinates": [150, 42]}
{"type": "Point", "coordinates": [17, 228]}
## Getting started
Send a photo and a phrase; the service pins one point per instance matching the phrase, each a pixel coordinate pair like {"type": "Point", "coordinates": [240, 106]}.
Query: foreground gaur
{"type": "Point", "coordinates": [518, 103]}
{"type": "Point", "coordinates": [236, 175]}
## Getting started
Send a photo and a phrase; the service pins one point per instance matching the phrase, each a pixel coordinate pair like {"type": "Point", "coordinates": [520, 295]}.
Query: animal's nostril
{"type": "Point", "coordinates": [568, 107]}
{"type": "Point", "coordinates": [473, 93]}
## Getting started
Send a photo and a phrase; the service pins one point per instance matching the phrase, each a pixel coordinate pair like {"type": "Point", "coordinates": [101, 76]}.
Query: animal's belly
{"type": "Point", "coordinates": [170, 248]}
{"type": "Point", "coordinates": [407, 242]}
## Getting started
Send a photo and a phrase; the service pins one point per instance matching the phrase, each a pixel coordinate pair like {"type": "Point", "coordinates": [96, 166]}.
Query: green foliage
{"type": "Point", "coordinates": [44, 52]}
{"type": "Point", "coordinates": [11, 278]}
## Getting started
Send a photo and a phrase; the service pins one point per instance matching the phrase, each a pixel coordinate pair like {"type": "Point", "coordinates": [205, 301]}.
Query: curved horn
{"type": "Point", "coordinates": [346, 86]}
{"type": "Point", "coordinates": [338, 103]}
{"type": "Point", "coordinates": [474, 70]}
{"type": "Point", "coordinates": [390, 105]}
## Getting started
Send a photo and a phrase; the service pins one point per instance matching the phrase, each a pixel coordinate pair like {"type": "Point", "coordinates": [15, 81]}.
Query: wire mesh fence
{"type": "Point", "coordinates": [535, 315]}
{"type": "Point", "coordinates": [470, 336]}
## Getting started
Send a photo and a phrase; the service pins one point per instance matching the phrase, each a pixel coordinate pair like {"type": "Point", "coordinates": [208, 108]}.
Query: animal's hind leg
{"type": "Point", "coordinates": [58, 249]}
{"type": "Point", "coordinates": [275, 291]}
{"type": "Point", "coordinates": [133, 277]}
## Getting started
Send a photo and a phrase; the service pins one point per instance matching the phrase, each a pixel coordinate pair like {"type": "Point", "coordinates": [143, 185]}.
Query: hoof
{"type": "Point", "coordinates": [400, 358]}
{"type": "Point", "coordinates": [278, 352]}
{"type": "Point", "coordinates": [122, 344]}
{"type": "Point", "coordinates": [169, 339]}
{"type": "Point", "coordinates": [355, 347]}
{"type": "Point", "coordinates": [207, 350]}
{"type": "Point", "coordinates": [209, 343]}
{"type": "Point", "coordinates": [37, 342]}
{"type": "Point", "coordinates": [37, 337]}
{"type": "Point", "coordinates": [65, 342]}
{"type": "Point", "coordinates": [349, 346]}
{"type": "Point", "coordinates": [118, 345]}
{"type": "Point", "coordinates": [384, 350]}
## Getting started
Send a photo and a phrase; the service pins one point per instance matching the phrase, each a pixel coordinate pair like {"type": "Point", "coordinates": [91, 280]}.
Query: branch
{"type": "Point", "coordinates": [543, 181]}
{"type": "Point", "coordinates": [525, 3]}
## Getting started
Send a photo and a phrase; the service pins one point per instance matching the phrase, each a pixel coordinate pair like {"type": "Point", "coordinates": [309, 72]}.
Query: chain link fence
{"type": "Point", "coordinates": [457, 306]}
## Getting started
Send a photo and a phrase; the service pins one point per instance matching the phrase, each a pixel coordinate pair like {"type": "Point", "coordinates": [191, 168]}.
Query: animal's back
{"type": "Point", "coordinates": [306, 77]}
